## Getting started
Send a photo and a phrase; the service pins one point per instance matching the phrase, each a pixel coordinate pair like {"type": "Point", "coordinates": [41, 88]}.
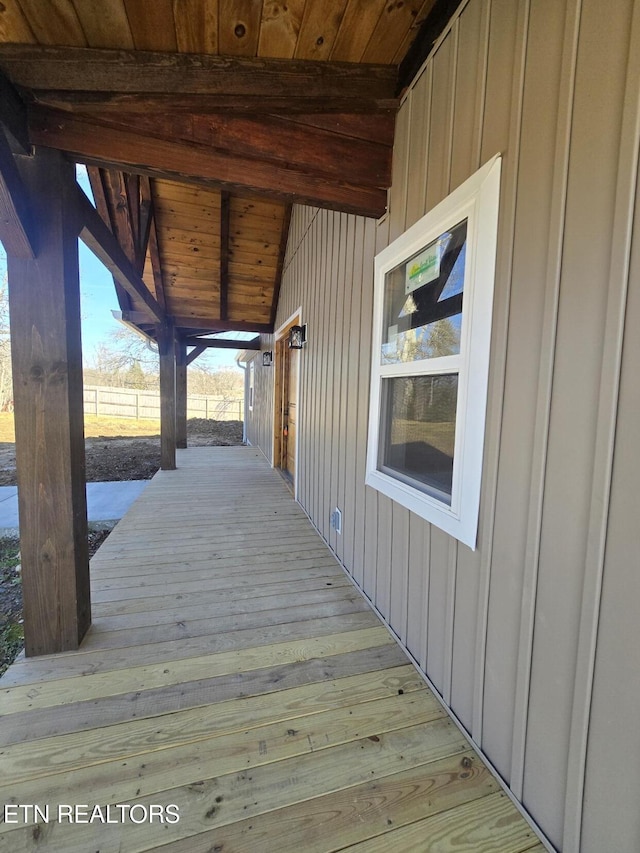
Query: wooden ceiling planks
{"type": "Point", "coordinates": [161, 35]}
{"type": "Point", "coordinates": [162, 176]}
{"type": "Point", "coordinates": [280, 28]}
{"type": "Point", "coordinates": [53, 22]}
{"type": "Point", "coordinates": [319, 30]}
{"type": "Point", "coordinates": [356, 28]}
{"type": "Point", "coordinates": [105, 23]}
{"type": "Point", "coordinates": [327, 30]}
{"type": "Point", "coordinates": [238, 27]}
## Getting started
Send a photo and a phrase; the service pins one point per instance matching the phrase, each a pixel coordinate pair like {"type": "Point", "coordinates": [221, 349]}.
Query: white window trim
{"type": "Point", "coordinates": [476, 200]}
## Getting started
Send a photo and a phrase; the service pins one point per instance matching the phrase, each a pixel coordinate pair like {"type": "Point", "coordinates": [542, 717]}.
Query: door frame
{"type": "Point", "coordinates": [294, 320]}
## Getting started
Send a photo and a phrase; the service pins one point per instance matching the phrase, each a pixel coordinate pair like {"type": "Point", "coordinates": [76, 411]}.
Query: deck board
{"type": "Point", "coordinates": [233, 670]}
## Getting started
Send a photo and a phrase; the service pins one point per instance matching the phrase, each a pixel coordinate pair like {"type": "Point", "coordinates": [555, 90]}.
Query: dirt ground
{"type": "Point", "coordinates": [109, 457]}
{"type": "Point", "coordinates": [121, 457]}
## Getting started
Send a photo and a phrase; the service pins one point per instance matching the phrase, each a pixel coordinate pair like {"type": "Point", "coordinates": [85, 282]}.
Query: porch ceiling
{"type": "Point", "coordinates": [202, 122]}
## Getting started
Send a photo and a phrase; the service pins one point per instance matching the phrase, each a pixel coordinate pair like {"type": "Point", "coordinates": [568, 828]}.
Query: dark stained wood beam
{"type": "Point", "coordinates": [225, 214]}
{"type": "Point", "coordinates": [13, 116]}
{"type": "Point", "coordinates": [201, 325]}
{"type": "Point", "coordinates": [132, 194]}
{"type": "Point", "coordinates": [116, 103]}
{"type": "Point", "coordinates": [97, 236]}
{"type": "Point", "coordinates": [252, 344]}
{"type": "Point", "coordinates": [146, 217]}
{"type": "Point", "coordinates": [153, 246]}
{"type": "Point", "coordinates": [181, 394]}
{"type": "Point", "coordinates": [44, 299]}
{"type": "Point", "coordinates": [93, 143]}
{"type": "Point", "coordinates": [97, 179]}
{"type": "Point", "coordinates": [17, 229]}
{"type": "Point", "coordinates": [217, 325]}
{"type": "Point", "coordinates": [284, 236]}
{"type": "Point", "coordinates": [223, 82]}
{"type": "Point", "coordinates": [195, 352]}
{"type": "Point", "coordinates": [165, 336]}
{"type": "Point", "coordinates": [329, 152]}
{"type": "Point", "coordinates": [120, 213]}
{"type": "Point", "coordinates": [430, 31]}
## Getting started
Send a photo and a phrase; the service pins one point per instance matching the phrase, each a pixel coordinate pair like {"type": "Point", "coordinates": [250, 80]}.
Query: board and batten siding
{"type": "Point", "coordinates": [258, 423]}
{"type": "Point", "coordinates": [531, 639]}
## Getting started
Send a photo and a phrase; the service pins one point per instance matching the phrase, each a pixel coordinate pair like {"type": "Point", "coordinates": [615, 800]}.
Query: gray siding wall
{"type": "Point", "coordinates": [532, 639]}
{"type": "Point", "coordinates": [259, 422]}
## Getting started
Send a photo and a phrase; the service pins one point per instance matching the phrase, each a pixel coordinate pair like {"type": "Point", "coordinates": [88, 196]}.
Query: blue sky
{"type": "Point", "coordinates": [98, 299]}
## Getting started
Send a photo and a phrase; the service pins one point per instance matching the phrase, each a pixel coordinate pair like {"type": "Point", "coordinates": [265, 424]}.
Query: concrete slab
{"type": "Point", "coordinates": [105, 501]}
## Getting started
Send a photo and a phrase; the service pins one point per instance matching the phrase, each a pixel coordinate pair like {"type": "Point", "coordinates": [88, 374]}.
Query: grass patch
{"type": "Point", "coordinates": [94, 427]}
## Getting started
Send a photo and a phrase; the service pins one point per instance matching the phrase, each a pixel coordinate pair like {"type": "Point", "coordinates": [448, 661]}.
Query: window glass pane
{"type": "Point", "coordinates": [418, 421]}
{"type": "Point", "coordinates": [423, 301]}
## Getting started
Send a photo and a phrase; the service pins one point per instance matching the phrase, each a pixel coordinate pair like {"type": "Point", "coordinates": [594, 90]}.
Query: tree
{"type": "Point", "coordinates": [135, 377]}
{"type": "Point", "coordinates": [125, 361]}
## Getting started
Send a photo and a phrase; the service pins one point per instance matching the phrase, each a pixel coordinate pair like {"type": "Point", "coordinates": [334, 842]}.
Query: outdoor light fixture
{"type": "Point", "coordinates": [297, 336]}
{"type": "Point", "coordinates": [267, 359]}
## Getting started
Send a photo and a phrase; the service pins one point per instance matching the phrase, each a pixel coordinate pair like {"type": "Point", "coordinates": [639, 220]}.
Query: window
{"type": "Point", "coordinates": [431, 337]}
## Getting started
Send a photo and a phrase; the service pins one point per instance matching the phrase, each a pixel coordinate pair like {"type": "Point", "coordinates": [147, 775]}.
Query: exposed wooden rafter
{"type": "Point", "coordinates": [14, 117]}
{"type": "Point", "coordinates": [17, 230]}
{"type": "Point", "coordinates": [84, 78]}
{"type": "Point", "coordinates": [221, 343]}
{"type": "Point", "coordinates": [357, 146]}
{"type": "Point", "coordinates": [284, 236]}
{"type": "Point", "coordinates": [195, 352]}
{"type": "Point", "coordinates": [102, 144]}
{"type": "Point", "coordinates": [103, 206]}
{"type": "Point", "coordinates": [154, 251]}
{"type": "Point", "coordinates": [201, 325]}
{"type": "Point", "coordinates": [145, 219]}
{"type": "Point", "coordinates": [225, 210]}
{"type": "Point", "coordinates": [97, 236]}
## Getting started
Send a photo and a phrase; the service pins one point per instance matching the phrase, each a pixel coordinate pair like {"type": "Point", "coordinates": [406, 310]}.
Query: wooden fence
{"type": "Point", "coordinates": [133, 403]}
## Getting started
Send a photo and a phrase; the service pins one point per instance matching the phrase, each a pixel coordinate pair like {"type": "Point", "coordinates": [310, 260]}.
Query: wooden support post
{"type": "Point", "coordinates": [167, 351]}
{"type": "Point", "coordinates": [181, 394]}
{"type": "Point", "coordinates": [44, 301]}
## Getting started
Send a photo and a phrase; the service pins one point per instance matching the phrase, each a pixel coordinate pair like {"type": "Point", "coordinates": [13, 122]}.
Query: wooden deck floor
{"type": "Point", "coordinates": [233, 671]}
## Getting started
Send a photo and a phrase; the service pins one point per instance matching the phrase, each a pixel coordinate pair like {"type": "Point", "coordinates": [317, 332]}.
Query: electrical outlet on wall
{"type": "Point", "coordinates": [336, 520]}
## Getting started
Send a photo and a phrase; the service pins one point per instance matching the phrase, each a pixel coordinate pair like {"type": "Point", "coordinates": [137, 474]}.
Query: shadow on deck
{"type": "Point", "coordinates": [234, 673]}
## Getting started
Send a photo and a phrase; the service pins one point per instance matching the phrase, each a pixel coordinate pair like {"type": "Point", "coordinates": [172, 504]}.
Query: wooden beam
{"type": "Point", "coordinates": [201, 325]}
{"type": "Point", "coordinates": [116, 103]}
{"type": "Point", "coordinates": [17, 230]}
{"type": "Point", "coordinates": [195, 352]}
{"type": "Point", "coordinates": [225, 211]}
{"type": "Point", "coordinates": [97, 236]}
{"type": "Point", "coordinates": [44, 298]}
{"type": "Point", "coordinates": [97, 179]}
{"type": "Point", "coordinates": [284, 236]}
{"type": "Point", "coordinates": [327, 151]}
{"type": "Point", "coordinates": [165, 336]}
{"type": "Point", "coordinates": [430, 31]}
{"type": "Point", "coordinates": [225, 82]}
{"type": "Point", "coordinates": [146, 214]}
{"type": "Point", "coordinates": [13, 115]}
{"type": "Point", "coordinates": [181, 394]}
{"type": "Point", "coordinates": [91, 143]}
{"type": "Point", "coordinates": [117, 193]}
{"type": "Point", "coordinates": [154, 249]}
{"type": "Point", "coordinates": [217, 325]}
{"type": "Point", "coordinates": [221, 343]}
